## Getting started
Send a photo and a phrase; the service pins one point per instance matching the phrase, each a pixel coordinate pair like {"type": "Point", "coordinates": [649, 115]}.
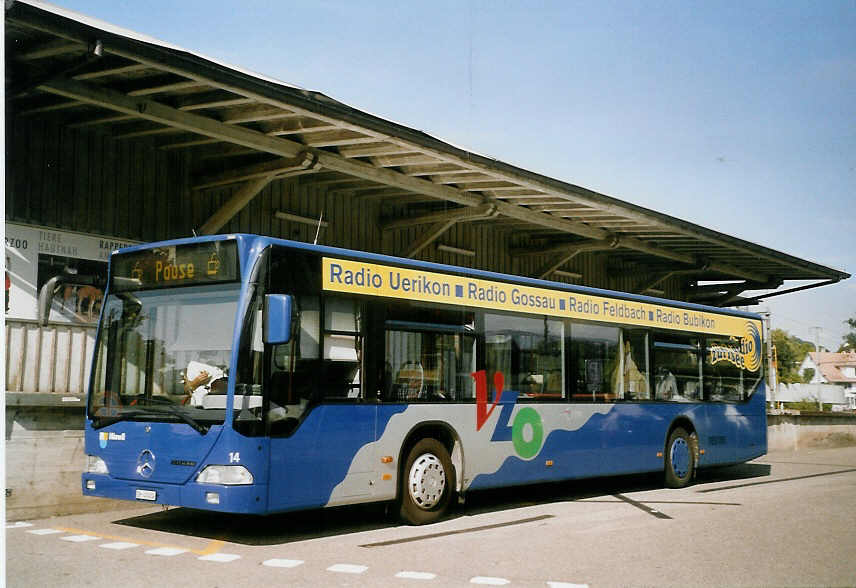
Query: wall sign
{"type": "Point", "coordinates": [36, 254]}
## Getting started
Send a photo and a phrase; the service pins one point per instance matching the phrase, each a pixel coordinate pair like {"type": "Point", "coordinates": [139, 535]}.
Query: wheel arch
{"type": "Point", "coordinates": [442, 432]}
{"type": "Point", "coordinates": [683, 421]}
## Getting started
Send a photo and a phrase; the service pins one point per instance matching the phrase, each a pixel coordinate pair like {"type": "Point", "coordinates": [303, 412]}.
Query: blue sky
{"type": "Point", "coordinates": [738, 116]}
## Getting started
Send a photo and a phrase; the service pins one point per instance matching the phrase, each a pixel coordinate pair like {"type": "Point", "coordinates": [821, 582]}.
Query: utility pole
{"type": "Point", "coordinates": [772, 376]}
{"type": "Point", "coordinates": [817, 331]}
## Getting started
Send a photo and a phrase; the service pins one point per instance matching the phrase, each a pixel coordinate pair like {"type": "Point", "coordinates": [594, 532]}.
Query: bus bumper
{"type": "Point", "coordinates": [249, 499]}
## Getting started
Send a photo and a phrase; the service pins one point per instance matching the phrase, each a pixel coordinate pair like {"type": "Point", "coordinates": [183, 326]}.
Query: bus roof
{"type": "Point", "coordinates": [247, 242]}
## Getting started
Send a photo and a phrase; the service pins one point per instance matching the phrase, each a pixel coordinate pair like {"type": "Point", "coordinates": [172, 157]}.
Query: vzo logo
{"type": "Point", "coordinates": [526, 432]}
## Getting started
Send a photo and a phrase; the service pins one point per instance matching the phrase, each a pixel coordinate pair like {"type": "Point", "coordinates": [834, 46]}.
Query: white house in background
{"type": "Point", "coordinates": [838, 369]}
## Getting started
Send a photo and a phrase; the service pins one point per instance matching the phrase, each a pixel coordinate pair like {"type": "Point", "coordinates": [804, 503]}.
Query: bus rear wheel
{"type": "Point", "coordinates": [427, 483]}
{"type": "Point", "coordinates": [680, 458]}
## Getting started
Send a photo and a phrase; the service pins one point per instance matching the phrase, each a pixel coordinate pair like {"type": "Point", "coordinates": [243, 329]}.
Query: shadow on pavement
{"type": "Point", "coordinates": [732, 473]}
{"type": "Point", "coordinates": [284, 528]}
{"type": "Point", "coordinates": [277, 529]}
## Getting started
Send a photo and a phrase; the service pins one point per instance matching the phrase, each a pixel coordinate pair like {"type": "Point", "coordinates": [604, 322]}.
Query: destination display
{"type": "Point", "coordinates": [358, 277]}
{"type": "Point", "coordinates": [176, 265]}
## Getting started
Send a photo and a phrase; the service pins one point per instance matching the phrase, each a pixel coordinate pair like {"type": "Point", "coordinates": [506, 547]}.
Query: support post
{"type": "Point", "coordinates": [234, 205]}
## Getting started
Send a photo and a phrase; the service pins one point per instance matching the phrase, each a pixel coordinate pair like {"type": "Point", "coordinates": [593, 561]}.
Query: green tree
{"type": "Point", "coordinates": [790, 352]}
{"type": "Point", "coordinates": [850, 338]}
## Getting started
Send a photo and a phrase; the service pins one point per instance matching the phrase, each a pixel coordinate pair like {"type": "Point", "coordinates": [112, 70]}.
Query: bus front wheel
{"type": "Point", "coordinates": [427, 483]}
{"type": "Point", "coordinates": [680, 458]}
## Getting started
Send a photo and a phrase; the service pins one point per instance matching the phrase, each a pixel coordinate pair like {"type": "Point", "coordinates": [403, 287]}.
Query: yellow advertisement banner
{"type": "Point", "coordinates": [357, 277]}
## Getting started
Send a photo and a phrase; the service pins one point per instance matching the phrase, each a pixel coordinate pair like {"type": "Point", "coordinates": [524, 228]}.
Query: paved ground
{"type": "Point", "coordinates": [785, 519]}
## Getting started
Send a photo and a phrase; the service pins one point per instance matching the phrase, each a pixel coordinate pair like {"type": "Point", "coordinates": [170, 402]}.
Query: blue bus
{"type": "Point", "coordinates": [248, 374]}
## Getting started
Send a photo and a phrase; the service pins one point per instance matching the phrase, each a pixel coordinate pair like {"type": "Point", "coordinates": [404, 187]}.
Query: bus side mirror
{"type": "Point", "coordinates": [278, 314]}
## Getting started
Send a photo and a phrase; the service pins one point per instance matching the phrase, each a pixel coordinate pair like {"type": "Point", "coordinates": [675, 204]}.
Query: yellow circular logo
{"type": "Point", "coordinates": [750, 346]}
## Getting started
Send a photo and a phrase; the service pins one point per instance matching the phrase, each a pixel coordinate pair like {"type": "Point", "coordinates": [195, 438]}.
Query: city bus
{"type": "Point", "coordinates": [248, 374]}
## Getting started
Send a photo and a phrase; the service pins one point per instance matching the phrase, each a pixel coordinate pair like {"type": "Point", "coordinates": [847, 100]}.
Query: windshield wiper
{"type": "Point", "coordinates": [100, 422]}
{"type": "Point", "coordinates": [199, 428]}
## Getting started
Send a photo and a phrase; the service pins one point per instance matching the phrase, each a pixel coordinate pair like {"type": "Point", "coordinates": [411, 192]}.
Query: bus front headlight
{"type": "Point", "coordinates": [95, 465]}
{"type": "Point", "coordinates": [233, 475]}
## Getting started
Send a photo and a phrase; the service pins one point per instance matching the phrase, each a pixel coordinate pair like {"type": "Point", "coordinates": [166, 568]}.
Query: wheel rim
{"type": "Point", "coordinates": [426, 481]}
{"type": "Point", "coordinates": [680, 457]}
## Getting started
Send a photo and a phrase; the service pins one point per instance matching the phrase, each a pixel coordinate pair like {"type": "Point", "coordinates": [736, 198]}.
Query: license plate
{"type": "Point", "coordinates": [146, 494]}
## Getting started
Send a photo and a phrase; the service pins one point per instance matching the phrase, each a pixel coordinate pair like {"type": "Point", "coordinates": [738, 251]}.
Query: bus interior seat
{"type": "Point", "coordinates": [409, 381]}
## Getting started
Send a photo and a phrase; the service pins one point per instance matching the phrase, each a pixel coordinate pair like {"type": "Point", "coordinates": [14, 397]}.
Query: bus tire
{"type": "Point", "coordinates": [680, 458]}
{"type": "Point", "coordinates": [427, 483]}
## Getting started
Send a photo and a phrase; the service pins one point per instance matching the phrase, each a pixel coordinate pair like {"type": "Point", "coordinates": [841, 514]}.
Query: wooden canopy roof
{"type": "Point", "coordinates": [256, 130]}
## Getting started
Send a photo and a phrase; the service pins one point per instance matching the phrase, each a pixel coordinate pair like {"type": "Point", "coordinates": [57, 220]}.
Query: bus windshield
{"type": "Point", "coordinates": [163, 355]}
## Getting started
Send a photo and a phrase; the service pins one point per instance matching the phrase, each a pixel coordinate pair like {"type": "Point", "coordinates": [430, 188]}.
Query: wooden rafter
{"type": "Point", "coordinates": [372, 150]}
{"type": "Point", "coordinates": [111, 71]}
{"type": "Point", "coordinates": [165, 87]}
{"type": "Point", "coordinates": [304, 162]}
{"type": "Point", "coordinates": [52, 49]}
{"type": "Point", "coordinates": [214, 99]}
{"type": "Point", "coordinates": [256, 114]}
{"type": "Point", "coordinates": [252, 139]}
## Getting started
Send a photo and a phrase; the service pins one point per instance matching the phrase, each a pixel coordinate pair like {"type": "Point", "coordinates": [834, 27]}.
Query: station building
{"type": "Point", "coordinates": [114, 138]}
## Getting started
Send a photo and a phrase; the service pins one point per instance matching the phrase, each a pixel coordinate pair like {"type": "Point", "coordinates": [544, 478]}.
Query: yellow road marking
{"type": "Point", "coordinates": [213, 546]}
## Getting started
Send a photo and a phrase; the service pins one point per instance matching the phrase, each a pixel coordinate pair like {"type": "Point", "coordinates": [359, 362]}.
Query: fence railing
{"type": "Point", "coordinates": [53, 359]}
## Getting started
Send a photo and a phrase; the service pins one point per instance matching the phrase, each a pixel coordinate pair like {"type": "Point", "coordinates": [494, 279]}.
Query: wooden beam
{"type": "Point", "coordinates": [215, 99]}
{"type": "Point", "coordinates": [341, 182]}
{"type": "Point", "coordinates": [161, 88]}
{"type": "Point", "coordinates": [408, 159]}
{"type": "Point", "coordinates": [51, 49]}
{"type": "Point", "coordinates": [368, 191]}
{"type": "Point", "coordinates": [570, 252]}
{"type": "Point", "coordinates": [234, 205]}
{"type": "Point", "coordinates": [105, 120]}
{"type": "Point", "coordinates": [297, 127]}
{"type": "Point", "coordinates": [268, 168]}
{"type": "Point", "coordinates": [156, 112]}
{"type": "Point", "coordinates": [435, 169]}
{"type": "Point", "coordinates": [256, 114]}
{"type": "Point", "coordinates": [53, 107]}
{"type": "Point", "coordinates": [563, 248]}
{"type": "Point", "coordinates": [490, 184]}
{"type": "Point", "coordinates": [336, 138]}
{"type": "Point", "coordinates": [388, 194]}
{"type": "Point", "coordinates": [372, 150]}
{"type": "Point", "coordinates": [461, 176]}
{"type": "Point", "coordinates": [190, 143]}
{"type": "Point", "coordinates": [468, 213]}
{"type": "Point", "coordinates": [554, 265]}
{"type": "Point", "coordinates": [287, 216]}
{"type": "Point", "coordinates": [111, 71]}
{"type": "Point", "coordinates": [532, 199]}
{"type": "Point", "coordinates": [148, 133]}
{"type": "Point", "coordinates": [428, 237]}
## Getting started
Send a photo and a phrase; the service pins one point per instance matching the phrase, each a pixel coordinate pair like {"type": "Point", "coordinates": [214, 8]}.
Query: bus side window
{"type": "Point", "coordinates": [529, 352]}
{"type": "Point", "coordinates": [595, 359]}
{"type": "Point", "coordinates": [677, 362]}
{"type": "Point", "coordinates": [430, 354]}
{"type": "Point", "coordinates": [430, 366]}
{"type": "Point", "coordinates": [724, 375]}
{"type": "Point", "coordinates": [342, 348]}
{"type": "Point", "coordinates": [630, 374]}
